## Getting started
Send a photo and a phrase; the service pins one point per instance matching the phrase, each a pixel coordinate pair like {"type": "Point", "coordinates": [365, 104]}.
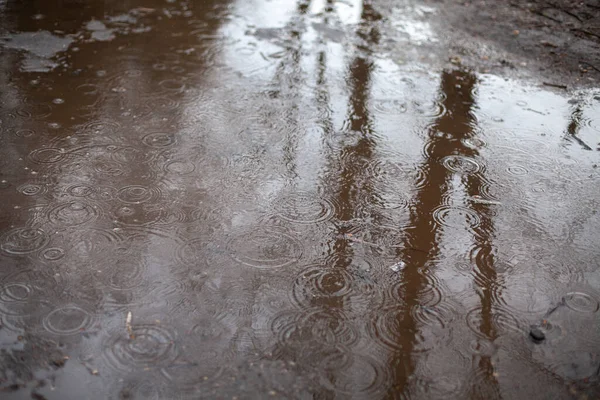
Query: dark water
{"type": "Point", "coordinates": [255, 199]}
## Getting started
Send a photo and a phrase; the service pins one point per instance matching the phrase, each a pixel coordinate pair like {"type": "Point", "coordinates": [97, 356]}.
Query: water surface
{"type": "Point", "coordinates": [266, 199]}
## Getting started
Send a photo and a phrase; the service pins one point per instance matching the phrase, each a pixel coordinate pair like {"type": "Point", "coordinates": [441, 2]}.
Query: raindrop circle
{"type": "Point", "coordinates": [265, 248]}
{"type": "Point", "coordinates": [24, 240]}
{"type": "Point", "coordinates": [31, 189]}
{"type": "Point", "coordinates": [68, 320]}
{"type": "Point", "coordinates": [461, 164]}
{"type": "Point", "coordinates": [72, 213]}
{"type": "Point", "coordinates": [148, 346]}
{"type": "Point", "coordinates": [304, 208]}
{"type": "Point", "coordinates": [159, 139]}
{"type": "Point", "coordinates": [581, 302]}
{"type": "Point", "coordinates": [136, 194]}
{"type": "Point", "coordinates": [456, 217]}
{"type": "Point", "coordinates": [53, 253]}
{"type": "Point", "coordinates": [47, 155]}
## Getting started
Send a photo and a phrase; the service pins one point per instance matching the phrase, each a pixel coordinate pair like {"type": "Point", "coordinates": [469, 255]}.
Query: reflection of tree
{"type": "Point", "coordinates": [573, 127]}
{"type": "Point", "coordinates": [348, 177]}
{"type": "Point", "coordinates": [446, 138]}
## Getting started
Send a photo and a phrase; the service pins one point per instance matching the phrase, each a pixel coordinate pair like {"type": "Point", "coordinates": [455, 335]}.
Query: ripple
{"type": "Point", "coordinates": [101, 127]}
{"type": "Point", "coordinates": [172, 85]}
{"type": "Point", "coordinates": [474, 143]}
{"type": "Point", "coordinates": [159, 140]}
{"type": "Point", "coordinates": [138, 215]}
{"type": "Point", "coordinates": [145, 387]}
{"type": "Point", "coordinates": [461, 164]}
{"type": "Point", "coordinates": [498, 323]}
{"type": "Point", "coordinates": [488, 270]}
{"type": "Point", "coordinates": [351, 375]}
{"type": "Point", "coordinates": [90, 242]}
{"type": "Point", "coordinates": [109, 168]}
{"type": "Point", "coordinates": [47, 155]}
{"type": "Point", "coordinates": [438, 387]}
{"type": "Point", "coordinates": [581, 302]}
{"type": "Point", "coordinates": [391, 328]}
{"type": "Point", "coordinates": [179, 167]}
{"type": "Point", "coordinates": [162, 104]}
{"type": "Point", "coordinates": [304, 208]}
{"type": "Point", "coordinates": [23, 294]}
{"type": "Point", "coordinates": [387, 170]}
{"type": "Point", "coordinates": [15, 298]}
{"type": "Point", "coordinates": [124, 273]}
{"type": "Point", "coordinates": [24, 133]}
{"type": "Point", "coordinates": [131, 155]}
{"type": "Point", "coordinates": [72, 213]}
{"type": "Point", "coordinates": [24, 240]}
{"type": "Point", "coordinates": [456, 217]}
{"type": "Point", "coordinates": [265, 248]}
{"type": "Point", "coordinates": [314, 327]}
{"type": "Point", "coordinates": [53, 254]}
{"type": "Point", "coordinates": [478, 385]}
{"type": "Point", "coordinates": [68, 320]}
{"type": "Point", "coordinates": [321, 285]}
{"type": "Point", "coordinates": [34, 111]}
{"type": "Point", "coordinates": [390, 107]}
{"type": "Point", "coordinates": [482, 347]}
{"type": "Point", "coordinates": [102, 193]}
{"type": "Point", "coordinates": [574, 366]}
{"type": "Point", "coordinates": [553, 331]}
{"type": "Point", "coordinates": [192, 376]}
{"type": "Point", "coordinates": [386, 200]}
{"type": "Point", "coordinates": [563, 272]}
{"type": "Point", "coordinates": [32, 189]}
{"type": "Point", "coordinates": [428, 294]}
{"type": "Point", "coordinates": [517, 170]}
{"type": "Point", "coordinates": [193, 252]}
{"type": "Point", "coordinates": [378, 235]}
{"type": "Point", "coordinates": [429, 110]}
{"type": "Point", "coordinates": [15, 292]}
{"type": "Point", "coordinates": [136, 194]}
{"type": "Point", "coordinates": [498, 193]}
{"type": "Point", "coordinates": [80, 190]}
{"type": "Point", "coordinates": [149, 346]}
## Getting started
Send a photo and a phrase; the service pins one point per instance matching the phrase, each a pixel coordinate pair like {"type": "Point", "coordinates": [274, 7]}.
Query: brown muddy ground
{"type": "Point", "coordinates": [299, 199]}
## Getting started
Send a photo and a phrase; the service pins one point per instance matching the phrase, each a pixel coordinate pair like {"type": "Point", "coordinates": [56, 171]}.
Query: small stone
{"type": "Point", "coordinates": [537, 334]}
{"type": "Point", "coordinates": [58, 363]}
{"type": "Point", "coordinates": [399, 266]}
{"type": "Point", "coordinates": [455, 60]}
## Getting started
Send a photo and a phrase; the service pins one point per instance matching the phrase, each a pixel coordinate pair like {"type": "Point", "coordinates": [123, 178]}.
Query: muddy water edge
{"type": "Point", "coordinates": [290, 199]}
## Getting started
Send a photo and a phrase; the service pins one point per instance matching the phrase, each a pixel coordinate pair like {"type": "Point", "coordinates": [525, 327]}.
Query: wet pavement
{"type": "Point", "coordinates": [287, 199]}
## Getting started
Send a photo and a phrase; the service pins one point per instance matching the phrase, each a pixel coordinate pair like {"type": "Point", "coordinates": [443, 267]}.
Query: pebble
{"type": "Point", "coordinates": [537, 334]}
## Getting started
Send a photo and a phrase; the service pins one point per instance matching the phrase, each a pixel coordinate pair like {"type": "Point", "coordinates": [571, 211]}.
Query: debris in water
{"type": "Point", "coordinates": [90, 369]}
{"type": "Point", "coordinates": [399, 266]}
{"type": "Point", "coordinates": [128, 325]}
{"type": "Point", "coordinates": [537, 334]}
{"type": "Point", "coordinates": [144, 10]}
{"type": "Point", "coordinates": [455, 60]}
{"type": "Point", "coordinates": [481, 200]}
{"type": "Point", "coordinates": [556, 85]}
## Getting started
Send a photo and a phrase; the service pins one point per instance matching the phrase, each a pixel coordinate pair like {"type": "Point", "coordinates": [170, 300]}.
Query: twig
{"type": "Point", "coordinates": [128, 327]}
{"type": "Point", "coordinates": [556, 85]}
{"type": "Point", "coordinates": [589, 65]}
{"type": "Point", "coordinates": [586, 32]}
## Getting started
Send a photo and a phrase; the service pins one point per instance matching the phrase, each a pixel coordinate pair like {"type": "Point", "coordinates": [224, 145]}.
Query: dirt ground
{"type": "Point", "coordinates": [553, 44]}
{"type": "Point", "coordinates": [560, 39]}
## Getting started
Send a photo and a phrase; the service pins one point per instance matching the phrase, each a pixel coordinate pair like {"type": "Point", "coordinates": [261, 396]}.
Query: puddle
{"type": "Point", "coordinates": [250, 199]}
